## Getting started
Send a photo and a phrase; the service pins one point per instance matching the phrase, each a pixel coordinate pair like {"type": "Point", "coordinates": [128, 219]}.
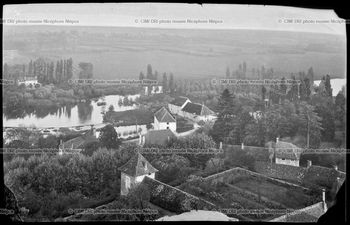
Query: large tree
{"type": "Point", "coordinates": [109, 137]}
{"type": "Point", "coordinates": [223, 125]}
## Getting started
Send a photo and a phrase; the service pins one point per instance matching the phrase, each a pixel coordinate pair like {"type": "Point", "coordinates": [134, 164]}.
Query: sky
{"type": "Point", "coordinates": [137, 14]}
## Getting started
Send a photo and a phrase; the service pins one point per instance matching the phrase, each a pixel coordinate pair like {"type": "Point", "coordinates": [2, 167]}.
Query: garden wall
{"type": "Point", "coordinates": [173, 199]}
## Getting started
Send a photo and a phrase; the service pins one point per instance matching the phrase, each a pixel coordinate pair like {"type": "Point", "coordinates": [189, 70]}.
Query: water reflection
{"type": "Point", "coordinates": [71, 115]}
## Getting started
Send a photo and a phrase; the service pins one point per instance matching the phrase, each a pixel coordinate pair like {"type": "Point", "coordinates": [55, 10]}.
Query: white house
{"type": "Point", "coordinates": [197, 112]}
{"type": "Point", "coordinates": [286, 153]}
{"type": "Point", "coordinates": [133, 173]}
{"type": "Point", "coordinates": [164, 120]}
{"type": "Point", "coordinates": [177, 104]}
{"type": "Point", "coordinates": [29, 81]}
{"type": "Point", "coordinates": [156, 89]}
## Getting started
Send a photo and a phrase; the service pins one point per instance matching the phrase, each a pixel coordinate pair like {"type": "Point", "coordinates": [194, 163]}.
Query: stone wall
{"type": "Point", "coordinates": [231, 175]}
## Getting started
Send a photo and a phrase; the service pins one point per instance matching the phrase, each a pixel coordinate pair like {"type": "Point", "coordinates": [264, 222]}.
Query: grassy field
{"type": "Point", "coordinates": [124, 52]}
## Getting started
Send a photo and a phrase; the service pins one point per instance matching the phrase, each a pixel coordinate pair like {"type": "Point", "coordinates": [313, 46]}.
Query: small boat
{"type": "Point", "coordinates": [101, 103]}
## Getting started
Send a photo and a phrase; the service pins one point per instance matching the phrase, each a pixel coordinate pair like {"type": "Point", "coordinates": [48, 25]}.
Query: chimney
{"type": "Point", "coordinates": [309, 163]}
{"type": "Point", "coordinates": [277, 139]}
{"type": "Point", "coordinates": [220, 147]}
{"type": "Point", "coordinates": [324, 200]}
{"type": "Point", "coordinates": [242, 146]}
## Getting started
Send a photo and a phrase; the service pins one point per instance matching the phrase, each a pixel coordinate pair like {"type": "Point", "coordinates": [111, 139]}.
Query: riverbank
{"type": "Point", "coordinates": [129, 117]}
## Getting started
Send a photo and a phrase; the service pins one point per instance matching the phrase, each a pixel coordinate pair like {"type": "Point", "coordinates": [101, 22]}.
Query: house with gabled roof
{"type": "Point", "coordinates": [134, 171]}
{"type": "Point", "coordinates": [164, 120]}
{"type": "Point", "coordinates": [197, 112]}
{"type": "Point", "coordinates": [177, 104]}
{"type": "Point", "coordinates": [287, 153]}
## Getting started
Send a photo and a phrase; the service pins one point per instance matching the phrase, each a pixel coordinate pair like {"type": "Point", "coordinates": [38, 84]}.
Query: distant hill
{"type": "Point", "coordinates": [123, 52]}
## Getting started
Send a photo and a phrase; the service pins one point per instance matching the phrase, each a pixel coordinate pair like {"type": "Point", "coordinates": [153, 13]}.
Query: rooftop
{"type": "Point", "coordinates": [137, 166]}
{"type": "Point", "coordinates": [163, 115]}
{"type": "Point", "coordinates": [79, 142]}
{"type": "Point", "coordinates": [179, 101]}
{"type": "Point", "coordinates": [197, 109]}
{"type": "Point", "coordinates": [287, 150]}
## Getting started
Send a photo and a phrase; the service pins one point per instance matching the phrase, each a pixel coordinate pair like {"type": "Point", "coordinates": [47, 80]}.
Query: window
{"type": "Point", "coordinates": [167, 128]}
{"type": "Point", "coordinates": [167, 123]}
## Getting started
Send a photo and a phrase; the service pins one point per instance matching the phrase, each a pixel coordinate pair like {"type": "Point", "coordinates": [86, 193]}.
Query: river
{"type": "Point", "coordinates": [336, 84]}
{"type": "Point", "coordinates": [79, 115]}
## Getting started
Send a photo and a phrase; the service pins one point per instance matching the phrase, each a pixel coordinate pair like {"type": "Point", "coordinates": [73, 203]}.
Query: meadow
{"type": "Point", "coordinates": [124, 52]}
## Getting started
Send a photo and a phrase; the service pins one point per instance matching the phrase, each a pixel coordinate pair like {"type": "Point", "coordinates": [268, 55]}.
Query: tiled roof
{"type": "Point", "coordinates": [179, 101]}
{"type": "Point", "coordinates": [322, 175]}
{"type": "Point", "coordinates": [79, 142]}
{"type": "Point", "coordinates": [158, 137]}
{"type": "Point", "coordinates": [287, 150]}
{"type": "Point", "coordinates": [163, 115]}
{"type": "Point", "coordinates": [137, 166]}
{"type": "Point", "coordinates": [197, 109]}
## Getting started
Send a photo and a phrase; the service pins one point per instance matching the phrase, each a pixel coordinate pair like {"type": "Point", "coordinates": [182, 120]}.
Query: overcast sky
{"type": "Point", "coordinates": [132, 15]}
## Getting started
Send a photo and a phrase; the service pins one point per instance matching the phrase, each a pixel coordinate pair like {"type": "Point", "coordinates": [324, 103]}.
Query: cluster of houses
{"type": "Point", "coordinates": [165, 125]}
{"type": "Point", "coordinates": [29, 82]}
{"type": "Point", "coordinates": [138, 171]}
{"type": "Point", "coordinates": [183, 106]}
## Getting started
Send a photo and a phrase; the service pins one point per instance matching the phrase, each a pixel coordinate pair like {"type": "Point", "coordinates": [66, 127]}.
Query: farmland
{"type": "Point", "coordinates": [124, 52]}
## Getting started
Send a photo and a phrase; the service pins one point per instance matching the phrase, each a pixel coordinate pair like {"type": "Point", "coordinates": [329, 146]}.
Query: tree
{"type": "Point", "coordinates": [195, 141]}
{"type": "Point", "coordinates": [223, 124]}
{"type": "Point", "coordinates": [50, 141]}
{"type": "Point", "coordinates": [171, 83]}
{"type": "Point", "coordinates": [126, 101]}
{"type": "Point", "coordinates": [111, 108]}
{"type": "Point", "coordinates": [141, 76]}
{"type": "Point", "coordinates": [149, 74]}
{"type": "Point", "coordinates": [120, 102]}
{"type": "Point", "coordinates": [109, 137]}
{"type": "Point", "coordinates": [86, 70]}
{"type": "Point", "coordinates": [90, 147]}
{"type": "Point", "coordinates": [244, 69]}
{"type": "Point", "coordinates": [228, 72]}
{"type": "Point", "coordinates": [263, 93]}
{"type": "Point", "coordinates": [165, 83]}
{"type": "Point", "coordinates": [283, 87]}
{"type": "Point", "coordinates": [340, 108]}
{"type": "Point", "coordinates": [310, 75]}
{"type": "Point", "coordinates": [328, 87]}
{"type": "Point", "coordinates": [172, 168]}
{"type": "Point", "coordinates": [292, 94]}
{"type": "Point", "coordinates": [309, 124]}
